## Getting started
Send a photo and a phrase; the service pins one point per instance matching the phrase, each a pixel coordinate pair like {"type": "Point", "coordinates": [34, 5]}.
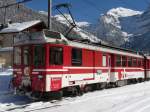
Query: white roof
{"type": "Point", "coordinates": [18, 27]}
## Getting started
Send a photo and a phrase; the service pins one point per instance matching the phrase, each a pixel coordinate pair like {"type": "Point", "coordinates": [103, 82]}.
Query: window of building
{"type": "Point", "coordinates": [124, 61]}
{"type": "Point", "coordinates": [76, 57]}
{"type": "Point", "coordinates": [26, 55]}
{"type": "Point", "coordinates": [118, 60]}
{"type": "Point", "coordinates": [104, 63]}
{"type": "Point", "coordinates": [39, 55]}
{"type": "Point", "coordinates": [56, 56]}
{"type": "Point", "coordinates": [134, 62]}
{"type": "Point", "coordinates": [17, 56]}
{"type": "Point", "coordinates": [129, 61]}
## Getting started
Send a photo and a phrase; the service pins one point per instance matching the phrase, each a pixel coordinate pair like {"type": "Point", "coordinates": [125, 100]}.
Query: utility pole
{"type": "Point", "coordinates": [49, 14]}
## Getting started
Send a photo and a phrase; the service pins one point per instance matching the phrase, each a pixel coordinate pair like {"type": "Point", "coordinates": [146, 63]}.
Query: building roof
{"type": "Point", "coordinates": [18, 27]}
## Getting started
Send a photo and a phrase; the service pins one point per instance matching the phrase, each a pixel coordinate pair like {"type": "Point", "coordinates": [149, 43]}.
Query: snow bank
{"type": "Point", "coordinates": [130, 98]}
{"type": "Point", "coordinates": [5, 77]}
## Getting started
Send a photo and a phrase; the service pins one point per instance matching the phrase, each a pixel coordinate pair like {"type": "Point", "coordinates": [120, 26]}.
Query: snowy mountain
{"type": "Point", "coordinates": [78, 31]}
{"type": "Point", "coordinates": [118, 25]}
{"type": "Point", "coordinates": [62, 19]}
{"type": "Point", "coordinates": [113, 16]}
{"type": "Point", "coordinates": [141, 40]}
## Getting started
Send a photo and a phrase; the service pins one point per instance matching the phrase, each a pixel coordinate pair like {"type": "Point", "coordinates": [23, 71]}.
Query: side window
{"type": "Point", "coordinates": [104, 61]}
{"type": "Point", "coordinates": [129, 61]}
{"type": "Point", "coordinates": [134, 62]}
{"type": "Point", "coordinates": [124, 61]}
{"type": "Point", "coordinates": [76, 57]}
{"type": "Point", "coordinates": [118, 61]}
{"type": "Point", "coordinates": [139, 63]}
{"type": "Point", "coordinates": [56, 56]}
{"type": "Point", "coordinates": [39, 55]}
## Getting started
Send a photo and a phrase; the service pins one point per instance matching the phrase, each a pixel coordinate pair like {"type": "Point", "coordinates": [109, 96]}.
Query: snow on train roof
{"type": "Point", "coordinates": [18, 27]}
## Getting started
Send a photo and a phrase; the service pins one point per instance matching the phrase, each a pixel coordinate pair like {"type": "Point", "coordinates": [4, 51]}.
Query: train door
{"type": "Point", "coordinates": [56, 62]}
{"type": "Point", "coordinates": [106, 65]}
{"type": "Point", "coordinates": [26, 66]}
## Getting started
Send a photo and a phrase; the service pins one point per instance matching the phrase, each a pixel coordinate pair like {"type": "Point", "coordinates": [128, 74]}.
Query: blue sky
{"type": "Point", "coordinates": [90, 10]}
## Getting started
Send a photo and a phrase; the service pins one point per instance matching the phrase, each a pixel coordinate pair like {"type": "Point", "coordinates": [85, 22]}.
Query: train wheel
{"type": "Point", "coordinates": [98, 86]}
{"type": "Point", "coordinates": [87, 88]}
{"type": "Point", "coordinates": [103, 85]}
{"type": "Point", "coordinates": [58, 95]}
{"type": "Point", "coordinates": [140, 80]}
{"type": "Point", "coordinates": [52, 95]}
{"type": "Point", "coordinates": [121, 83]}
{"type": "Point", "coordinates": [75, 91]}
{"type": "Point", "coordinates": [80, 91]}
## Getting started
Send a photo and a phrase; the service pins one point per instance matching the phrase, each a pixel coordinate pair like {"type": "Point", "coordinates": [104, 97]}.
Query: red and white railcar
{"type": "Point", "coordinates": [46, 61]}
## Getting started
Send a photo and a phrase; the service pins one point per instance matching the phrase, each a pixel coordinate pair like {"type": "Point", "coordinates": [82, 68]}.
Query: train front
{"type": "Point", "coordinates": [31, 60]}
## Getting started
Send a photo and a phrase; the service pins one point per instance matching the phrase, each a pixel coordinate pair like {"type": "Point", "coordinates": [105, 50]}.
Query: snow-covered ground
{"type": "Point", "coordinates": [131, 98]}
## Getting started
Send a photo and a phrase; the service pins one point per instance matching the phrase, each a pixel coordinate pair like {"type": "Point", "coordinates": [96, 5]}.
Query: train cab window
{"type": "Point", "coordinates": [118, 61]}
{"type": "Point", "coordinates": [26, 55]}
{"type": "Point", "coordinates": [39, 55]}
{"type": "Point", "coordinates": [104, 63]}
{"type": "Point", "coordinates": [76, 57]}
{"type": "Point", "coordinates": [134, 62]}
{"type": "Point", "coordinates": [56, 56]}
{"type": "Point", "coordinates": [129, 61]}
{"type": "Point", "coordinates": [17, 56]}
{"type": "Point", "coordinates": [124, 61]}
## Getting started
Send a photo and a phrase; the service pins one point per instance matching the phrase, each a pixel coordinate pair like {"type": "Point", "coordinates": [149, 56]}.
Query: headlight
{"type": "Point", "coordinates": [40, 76]}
